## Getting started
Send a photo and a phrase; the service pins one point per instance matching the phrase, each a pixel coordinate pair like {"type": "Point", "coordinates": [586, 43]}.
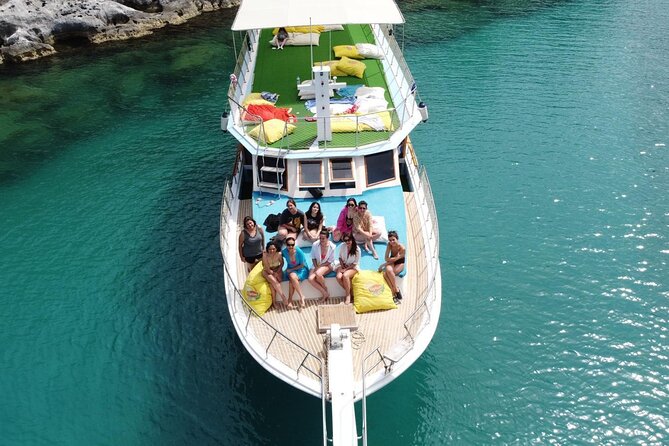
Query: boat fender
{"type": "Point", "coordinates": [224, 121]}
{"type": "Point", "coordinates": [422, 108]}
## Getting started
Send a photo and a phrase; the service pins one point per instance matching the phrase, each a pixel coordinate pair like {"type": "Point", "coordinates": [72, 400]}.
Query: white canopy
{"type": "Point", "coordinates": [260, 14]}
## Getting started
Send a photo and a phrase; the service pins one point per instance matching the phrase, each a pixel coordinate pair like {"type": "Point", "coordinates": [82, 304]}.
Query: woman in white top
{"type": "Point", "coordinates": [323, 258]}
{"type": "Point", "coordinates": [349, 257]}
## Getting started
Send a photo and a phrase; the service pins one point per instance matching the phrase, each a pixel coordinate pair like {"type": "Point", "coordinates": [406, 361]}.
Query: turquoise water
{"type": "Point", "coordinates": [550, 174]}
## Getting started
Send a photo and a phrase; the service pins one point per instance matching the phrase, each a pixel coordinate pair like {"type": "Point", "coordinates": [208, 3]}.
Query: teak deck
{"type": "Point", "coordinates": [385, 330]}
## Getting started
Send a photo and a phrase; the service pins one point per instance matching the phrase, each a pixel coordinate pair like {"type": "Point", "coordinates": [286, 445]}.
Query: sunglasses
{"type": "Point", "coordinates": [351, 205]}
{"type": "Point", "coordinates": [362, 208]}
{"type": "Point", "coordinates": [290, 245]}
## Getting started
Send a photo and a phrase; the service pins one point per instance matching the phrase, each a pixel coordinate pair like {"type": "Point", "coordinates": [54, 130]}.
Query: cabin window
{"type": "Point", "coordinates": [311, 174]}
{"type": "Point", "coordinates": [380, 167]}
{"type": "Point", "coordinates": [341, 170]}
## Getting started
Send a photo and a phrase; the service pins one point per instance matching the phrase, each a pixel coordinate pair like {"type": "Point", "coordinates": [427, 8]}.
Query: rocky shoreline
{"type": "Point", "coordinates": [30, 29]}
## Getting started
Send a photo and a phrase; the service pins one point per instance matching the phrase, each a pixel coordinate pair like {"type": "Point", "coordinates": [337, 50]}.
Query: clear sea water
{"type": "Point", "coordinates": [548, 150]}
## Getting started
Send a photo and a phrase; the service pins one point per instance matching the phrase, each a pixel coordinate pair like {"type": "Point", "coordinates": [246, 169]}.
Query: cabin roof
{"type": "Point", "coordinates": [257, 14]}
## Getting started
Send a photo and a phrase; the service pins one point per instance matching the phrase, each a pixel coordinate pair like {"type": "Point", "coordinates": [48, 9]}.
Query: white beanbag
{"type": "Point", "coordinates": [379, 225]}
{"type": "Point", "coordinates": [370, 92]}
{"type": "Point", "coordinates": [369, 51]}
{"type": "Point", "coordinates": [371, 105]}
{"type": "Point", "coordinates": [299, 39]}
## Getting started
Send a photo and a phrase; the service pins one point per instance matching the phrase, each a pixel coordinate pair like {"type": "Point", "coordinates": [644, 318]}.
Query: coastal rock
{"type": "Point", "coordinates": [30, 29]}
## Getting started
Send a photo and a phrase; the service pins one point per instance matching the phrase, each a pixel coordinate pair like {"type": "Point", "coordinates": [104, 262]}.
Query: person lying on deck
{"type": "Point", "coordinates": [323, 258]}
{"type": "Point", "coordinates": [394, 264]}
{"type": "Point", "coordinates": [363, 230]}
{"type": "Point", "coordinates": [349, 257]}
{"type": "Point", "coordinates": [290, 221]}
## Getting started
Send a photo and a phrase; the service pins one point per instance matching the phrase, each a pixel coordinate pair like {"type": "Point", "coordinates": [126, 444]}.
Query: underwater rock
{"type": "Point", "coordinates": [30, 29]}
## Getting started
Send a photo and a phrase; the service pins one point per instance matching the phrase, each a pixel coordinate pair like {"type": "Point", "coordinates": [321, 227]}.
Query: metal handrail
{"type": "Point", "coordinates": [398, 54]}
{"type": "Point", "coordinates": [428, 200]}
{"type": "Point", "coordinates": [424, 304]}
{"type": "Point", "coordinates": [404, 105]}
{"type": "Point", "coordinates": [249, 121]}
{"type": "Point", "coordinates": [238, 70]}
{"type": "Point", "coordinates": [224, 225]}
{"type": "Point", "coordinates": [277, 332]}
{"type": "Point", "coordinates": [429, 295]}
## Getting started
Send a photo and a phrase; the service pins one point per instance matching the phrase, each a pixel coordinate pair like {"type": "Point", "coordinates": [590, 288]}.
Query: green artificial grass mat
{"type": "Point", "coordinates": [277, 72]}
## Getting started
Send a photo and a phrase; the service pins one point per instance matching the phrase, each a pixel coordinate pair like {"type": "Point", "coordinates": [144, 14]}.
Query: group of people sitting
{"type": "Point", "coordinates": [354, 227]}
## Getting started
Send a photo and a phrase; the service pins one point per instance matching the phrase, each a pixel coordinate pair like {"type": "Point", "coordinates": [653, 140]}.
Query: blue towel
{"type": "Point", "coordinates": [312, 102]}
{"type": "Point", "coordinates": [348, 91]}
{"type": "Point", "coordinates": [271, 97]}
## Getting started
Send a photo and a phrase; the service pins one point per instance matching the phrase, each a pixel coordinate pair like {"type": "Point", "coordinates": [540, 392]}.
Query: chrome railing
{"type": "Point", "coordinates": [226, 221]}
{"type": "Point", "coordinates": [427, 219]}
{"type": "Point", "coordinates": [237, 297]}
{"type": "Point", "coordinates": [428, 293]}
{"type": "Point", "coordinates": [398, 78]}
{"type": "Point", "coordinates": [398, 54]}
{"type": "Point", "coordinates": [356, 130]}
{"type": "Point", "coordinates": [397, 71]}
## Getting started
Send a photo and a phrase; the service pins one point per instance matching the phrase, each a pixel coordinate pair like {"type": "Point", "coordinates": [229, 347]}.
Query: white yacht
{"type": "Point", "coordinates": [323, 119]}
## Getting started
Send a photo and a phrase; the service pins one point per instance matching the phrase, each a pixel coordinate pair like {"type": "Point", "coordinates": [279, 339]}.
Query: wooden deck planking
{"type": "Point", "coordinates": [380, 329]}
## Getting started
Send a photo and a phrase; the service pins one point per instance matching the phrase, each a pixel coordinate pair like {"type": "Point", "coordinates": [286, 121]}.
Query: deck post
{"type": "Point", "coordinates": [340, 381]}
{"type": "Point", "coordinates": [321, 83]}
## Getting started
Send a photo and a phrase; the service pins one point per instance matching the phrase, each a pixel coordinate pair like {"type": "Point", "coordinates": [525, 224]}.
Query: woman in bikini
{"type": "Point", "coordinates": [272, 264]}
{"type": "Point", "coordinates": [394, 264]}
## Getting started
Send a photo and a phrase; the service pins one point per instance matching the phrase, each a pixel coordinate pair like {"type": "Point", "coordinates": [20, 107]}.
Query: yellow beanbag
{"type": "Point", "coordinates": [347, 51]}
{"type": "Point", "coordinates": [351, 67]}
{"type": "Point", "coordinates": [371, 122]}
{"type": "Point", "coordinates": [334, 69]}
{"type": "Point", "coordinates": [255, 99]}
{"type": "Point", "coordinates": [256, 291]}
{"type": "Point", "coordinates": [343, 124]}
{"type": "Point", "coordinates": [371, 292]}
{"type": "Point", "coordinates": [272, 131]}
{"type": "Point", "coordinates": [301, 29]}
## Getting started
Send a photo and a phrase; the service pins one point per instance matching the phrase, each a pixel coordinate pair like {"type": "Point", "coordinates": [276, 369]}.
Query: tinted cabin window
{"type": "Point", "coordinates": [380, 167]}
{"type": "Point", "coordinates": [341, 169]}
{"type": "Point", "coordinates": [311, 174]}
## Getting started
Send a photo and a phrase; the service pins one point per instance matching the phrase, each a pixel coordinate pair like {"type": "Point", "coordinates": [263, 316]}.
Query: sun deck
{"type": "Point", "coordinates": [278, 71]}
{"type": "Point", "coordinates": [382, 330]}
